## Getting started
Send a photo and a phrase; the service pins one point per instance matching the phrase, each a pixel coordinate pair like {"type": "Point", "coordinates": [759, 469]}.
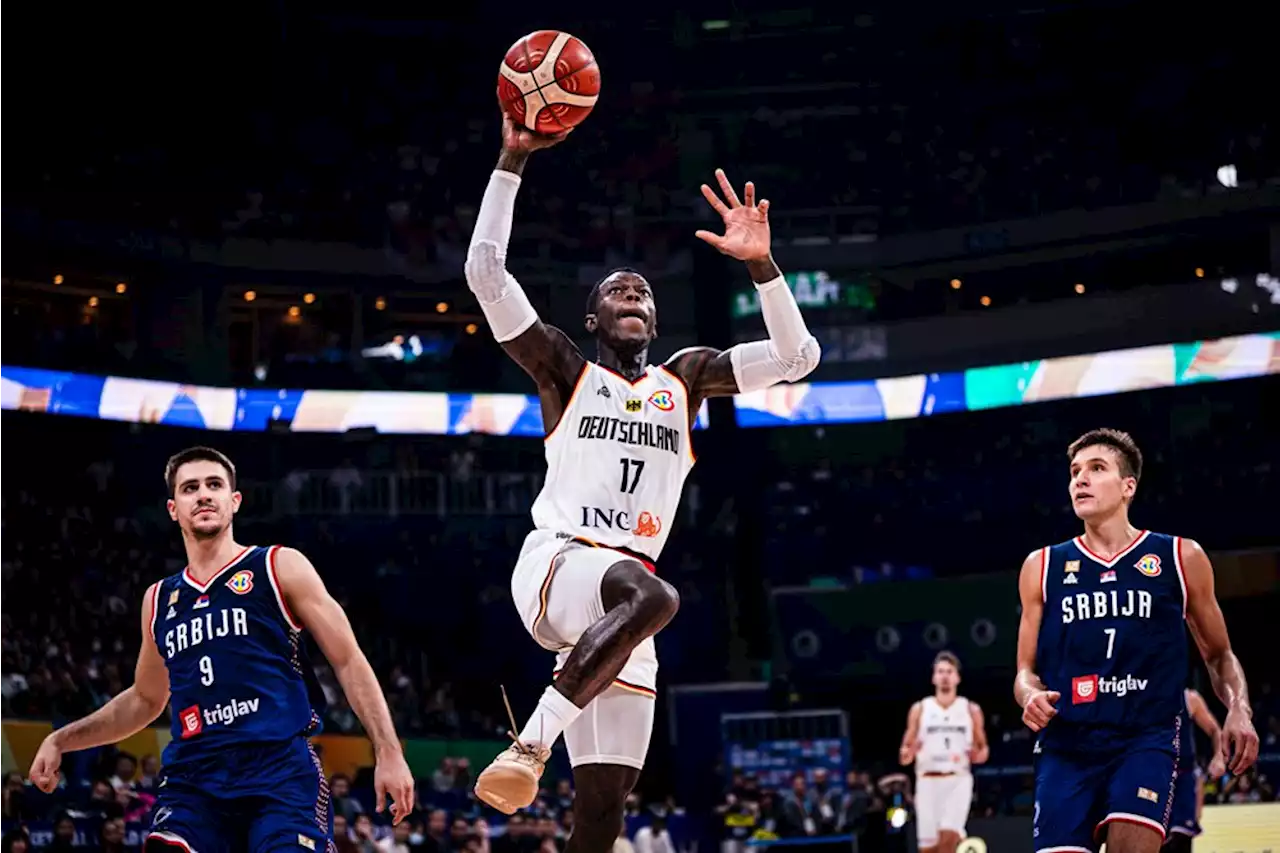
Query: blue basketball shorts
{"type": "Point", "coordinates": [1079, 793]}
{"type": "Point", "coordinates": [260, 798]}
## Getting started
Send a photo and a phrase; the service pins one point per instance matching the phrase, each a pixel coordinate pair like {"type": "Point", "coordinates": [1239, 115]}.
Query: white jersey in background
{"type": "Point", "coordinates": [617, 460]}
{"type": "Point", "coordinates": [946, 735]}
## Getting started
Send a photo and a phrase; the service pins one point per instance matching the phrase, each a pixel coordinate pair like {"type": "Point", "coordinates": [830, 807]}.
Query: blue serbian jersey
{"type": "Point", "coordinates": [1112, 640]}
{"type": "Point", "coordinates": [238, 674]}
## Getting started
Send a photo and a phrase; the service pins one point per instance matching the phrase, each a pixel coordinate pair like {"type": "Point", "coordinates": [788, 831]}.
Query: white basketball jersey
{"type": "Point", "coordinates": [946, 734]}
{"type": "Point", "coordinates": [617, 460]}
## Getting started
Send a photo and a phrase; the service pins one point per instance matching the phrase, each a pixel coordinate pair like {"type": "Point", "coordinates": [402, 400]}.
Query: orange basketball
{"type": "Point", "coordinates": [548, 81]}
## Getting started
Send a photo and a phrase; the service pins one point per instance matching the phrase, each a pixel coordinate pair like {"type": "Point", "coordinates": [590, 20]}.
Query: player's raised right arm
{"type": "Point", "coordinates": [545, 352]}
{"type": "Point", "coordinates": [128, 713]}
{"type": "Point", "coordinates": [1029, 691]}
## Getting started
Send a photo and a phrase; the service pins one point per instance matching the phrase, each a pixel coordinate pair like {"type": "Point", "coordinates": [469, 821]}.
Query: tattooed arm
{"type": "Point", "coordinates": [544, 352]}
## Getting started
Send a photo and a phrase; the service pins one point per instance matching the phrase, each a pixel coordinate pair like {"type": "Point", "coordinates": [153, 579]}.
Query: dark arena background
{"type": "Point", "coordinates": [1006, 223]}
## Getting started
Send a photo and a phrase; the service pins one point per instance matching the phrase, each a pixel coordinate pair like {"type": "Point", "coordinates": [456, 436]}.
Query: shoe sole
{"type": "Point", "coordinates": [507, 788]}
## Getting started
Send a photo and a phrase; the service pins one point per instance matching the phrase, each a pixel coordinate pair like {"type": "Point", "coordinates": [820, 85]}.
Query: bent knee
{"type": "Point", "coordinates": [629, 582]}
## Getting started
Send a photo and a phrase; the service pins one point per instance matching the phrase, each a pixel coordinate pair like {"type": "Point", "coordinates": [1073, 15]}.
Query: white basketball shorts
{"type": "Point", "coordinates": [556, 588]}
{"type": "Point", "coordinates": [942, 805]}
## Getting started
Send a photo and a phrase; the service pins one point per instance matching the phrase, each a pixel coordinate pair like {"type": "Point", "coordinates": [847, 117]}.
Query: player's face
{"type": "Point", "coordinates": [1097, 487]}
{"type": "Point", "coordinates": [945, 677]}
{"type": "Point", "coordinates": [625, 314]}
{"type": "Point", "coordinates": [203, 501]}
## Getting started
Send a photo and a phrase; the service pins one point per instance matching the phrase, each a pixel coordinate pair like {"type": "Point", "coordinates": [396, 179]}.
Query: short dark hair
{"type": "Point", "coordinates": [196, 454]}
{"type": "Point", "coordinates": [947, 657]}
{"type": "Point", "coordinates": [593, 298]}
{"type": "Point", "coordinates": [1119, 441]}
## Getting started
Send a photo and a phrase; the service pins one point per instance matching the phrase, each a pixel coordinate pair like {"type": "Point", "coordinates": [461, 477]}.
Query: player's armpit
{"type": "Point", "coordinates": [910, 737]}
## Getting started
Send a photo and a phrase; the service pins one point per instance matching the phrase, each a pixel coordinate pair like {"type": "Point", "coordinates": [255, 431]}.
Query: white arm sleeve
{"type": "Point", "coordinates": [501, 298]}
{"type": "Point", "coordinates": [791, 353]}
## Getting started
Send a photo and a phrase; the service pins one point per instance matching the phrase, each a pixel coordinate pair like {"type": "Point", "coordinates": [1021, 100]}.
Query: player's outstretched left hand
{"type": "Point", "coordinates": [746, 224]}
{"type": "Point", "coordinates": [1238, 742]}
{"type": "Point", "coordinates": [391, 778]}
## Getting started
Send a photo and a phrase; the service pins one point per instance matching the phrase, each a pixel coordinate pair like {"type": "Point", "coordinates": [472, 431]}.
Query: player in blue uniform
{"type": "Point", "coordinates": [1102, 626]}
{"type": "Point", "coordinates": [220, 642]}
{"type": "Point", "coordinates": [1188, 796]}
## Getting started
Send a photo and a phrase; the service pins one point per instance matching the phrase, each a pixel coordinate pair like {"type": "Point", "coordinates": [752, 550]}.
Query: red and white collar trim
{"type": "Point", "coordinates": [1079, 540]}
{"type": "Point", "coordinates": [204, 587]}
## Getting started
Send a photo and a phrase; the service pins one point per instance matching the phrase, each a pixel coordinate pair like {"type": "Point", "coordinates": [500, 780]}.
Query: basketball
{"type": "Point", "coordinates": [548, 81]}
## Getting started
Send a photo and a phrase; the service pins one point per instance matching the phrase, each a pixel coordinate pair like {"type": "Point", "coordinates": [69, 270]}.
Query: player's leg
{"type": "Point", "coordinates": [1070, 792]}
{"type": "Point", "coordinates": [288, 808]}
{"type": "Point", "coordinates": [186, 818]}
{"type": "Point", "coordinates": [607, 746]}
{"type": "Point", "coordinates": [1140, 798]}
{"type": "Point", "coordinates": [598, 611]}
{"type": "Point", "coordinates": [928, 792]}
{"type": "Point", "coordinates": [953, 817]}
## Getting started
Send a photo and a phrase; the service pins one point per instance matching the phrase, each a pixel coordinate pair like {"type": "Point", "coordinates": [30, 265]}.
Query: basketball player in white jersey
{"type": "Point", "coordinates": [618, 451]}
{"type": "Point", "coordinates": [945, 735]}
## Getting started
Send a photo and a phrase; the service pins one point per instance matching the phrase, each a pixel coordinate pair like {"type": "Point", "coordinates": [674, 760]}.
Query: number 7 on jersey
{"type": "Point", "coordinates": [631, 469]}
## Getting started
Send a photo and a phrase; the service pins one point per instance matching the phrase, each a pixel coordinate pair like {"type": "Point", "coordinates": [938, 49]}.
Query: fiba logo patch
{"type": "Point", "coordinates": [1149, 565]}
{"type": "Point", "coordinates": [663, 400]}
{"type": "Point", "coordinates": [241, 582]}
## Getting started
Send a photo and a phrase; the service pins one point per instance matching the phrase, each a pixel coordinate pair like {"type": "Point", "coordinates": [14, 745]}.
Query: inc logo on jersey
{"type": "Point", "coordinates": [663, 400]}
{"type": "Point", "coordinates": [1149, 565]}
{"type": "Point", "coordinates": [241, 582]}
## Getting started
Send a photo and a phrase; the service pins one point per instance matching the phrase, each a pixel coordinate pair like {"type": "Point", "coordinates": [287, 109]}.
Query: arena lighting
{"type": "Point", "coordinates": [294, 311]}
{"type": "Point", "coordinates": [250, 295]}
{"type": "Point", "coordinates": [715, 25]}
{"type": "Point", "coordinates": [121, 287]}
{"type": "Point", "coordinates": [379, 304]}
{"type": "Point", "coordinates": [1079, 288]}
{"type": "Point", "coordinates": [471, 328]}
{"type": "Point", "coordinates": [1199, 272]}
{"type": "Point", "coordinates": [93, 302]}
{"type": "Point", "coordinates": [309, 298]}
{"type": "Point", "coordinates": [442, 307]}
{"type": "Point", "coordinates": [57, 279]}
{"type": "Point", "coordinates": [986, 301]}
{"type": "Point", "coordinates": [1227, 176]}
{"type": "Point", "coordinates": [955, 284]}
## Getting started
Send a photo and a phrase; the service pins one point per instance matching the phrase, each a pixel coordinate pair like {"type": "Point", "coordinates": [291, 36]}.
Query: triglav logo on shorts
{"type": "Point", "coordinates": [1149, 565]}
{"type": "Point", "coordinates": [1087, 688]}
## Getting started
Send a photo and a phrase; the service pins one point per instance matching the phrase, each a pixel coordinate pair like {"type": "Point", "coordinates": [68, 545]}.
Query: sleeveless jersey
{"type": "Point", "coordinates": [617, 460]}
{"type": "Point", "coordinates": [1112, 640]}
{"type": "Point", "coordinates": [946, 734]}
{"type": "Point", "coordinates": [237, 672]}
